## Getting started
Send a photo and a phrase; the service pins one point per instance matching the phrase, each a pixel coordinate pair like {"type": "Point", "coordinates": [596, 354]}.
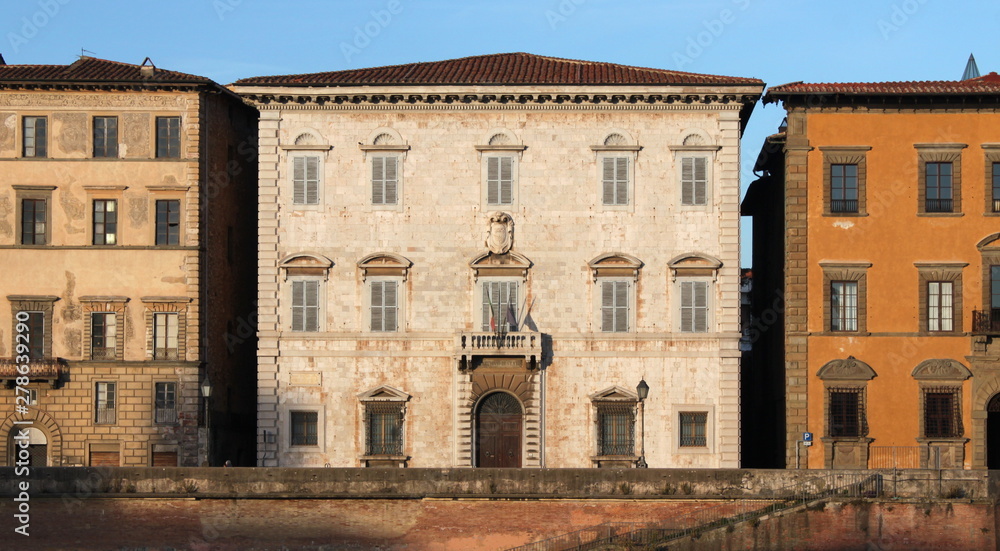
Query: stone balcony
{"type": "Point", "coordinates": [48, 370]}
{"type": "Point", "coordinates": [472, 346]}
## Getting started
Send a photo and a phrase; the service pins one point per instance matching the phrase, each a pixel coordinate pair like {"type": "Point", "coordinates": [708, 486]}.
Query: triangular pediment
{"type": "Point", "coordinates": [384, 393]}
{"type": "Point", "coordinates": [941, 369]}
{"type": "Point", "coordinates": [850, 369]}
{"type": "Point", "coordinates": [615, 394]}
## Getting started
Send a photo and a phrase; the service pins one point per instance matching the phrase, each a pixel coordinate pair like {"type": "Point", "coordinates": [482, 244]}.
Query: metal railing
{"type": "Point", "coordinates": [711, 518]}
{"type": "Point", "coordinates": [489, 340]}
{"type": "Point", "coordinates": [986, 322]}
{"type": "Point", "coordinates": [105, 416]}
{"type": "Point", "coordinates": [938, 205]}
{"type": "Point", "coordinates": [166, 415]}
{"type": "Point", "coordinates": [894, 457]}
{"type": "Point", "coordinates": [844, 205]}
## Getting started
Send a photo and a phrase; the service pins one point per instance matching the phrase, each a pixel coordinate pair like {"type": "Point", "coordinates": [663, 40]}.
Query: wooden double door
{"type": "Point", "coordinates": [499, 421]}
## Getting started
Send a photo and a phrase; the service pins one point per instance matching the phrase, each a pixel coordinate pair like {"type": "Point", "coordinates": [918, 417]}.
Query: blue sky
{"type": "Point", "coordinates": [776, 41]}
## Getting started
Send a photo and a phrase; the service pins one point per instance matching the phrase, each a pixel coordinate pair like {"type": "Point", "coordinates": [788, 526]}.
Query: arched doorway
{"type": "Point", "coordinates": [498, 431]}
{"type": "Point", "coordinates": [993, 432]}
{"type": "Point", "coordinates": [38, 448]}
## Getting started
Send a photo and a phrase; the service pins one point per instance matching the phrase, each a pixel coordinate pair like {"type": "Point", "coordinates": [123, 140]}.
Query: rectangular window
{"type": "Point", "coordinates": [103, 336]}
{"type": "Point", "coordinates": [614, 306]}
{"type": "Point", "coordinates": [384, 305]}
{"type": "Point", "coordinates": [168, 137]}
{"type": "Point", "coordinates": [694, 306]}
{"type": "Point", "coordinates": [844, 188]}
{"type": "Point", "coordinates": [500, 180]}
{"type": "Point", "coordinates": [499, 306]}
{"type": "Point", "coordinates": [165, 336]}
{"type": "Point", "coordinates": [694, 181]}
{"type": "Point", "coordinates": [33, 221]}
{"type": "Point", "coordinates": [938, 187]}
{"type": "Point", "coordinates": [105, 222]}
{"type": "Point", "coordinates": [305, 306]}
{"type": "Point", "coordinates": [385, 429]}
{"type": "Point", "coordinates": [165, 403]}
{"type": "Point", "coordinates": [385, 180]}
{"type": "Point", "coordinates": [32, 333]}
{"type": "Point", "coordinates": [995, 294]}
{"type": "Point", "coordinates": [35, 136]}
{"type": "Point", "coordinates": [615, 180]}
{"type": "Point", "coordinates": [168, 222]}
{"type": "Point", "coordinates": [940, 309]}
{"type": "Point", "coordinates": [845, 412]}
{"type": "Point", "coordinates": [305, 425]}
{"type": "Point", "coordinates": [105, 137]}
{"type": "Point", "coordinates": [843, 305]}
{"type": "Point", "coordinates": [996, 187]}
{"type": "Point", "coordinates": [305, 180]}
{"type": "Point", "coordinates": [942, 415]}
{"type": "Point", "coordinates": [693, 429]}
{"type": "Point", "coordinates": [616, 426]}
{"type": "Point", "coordinates": [104, 406]}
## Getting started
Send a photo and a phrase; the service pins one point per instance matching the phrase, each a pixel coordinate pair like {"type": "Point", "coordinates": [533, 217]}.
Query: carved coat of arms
{"type": "Point", "coordinates": [500, 233]}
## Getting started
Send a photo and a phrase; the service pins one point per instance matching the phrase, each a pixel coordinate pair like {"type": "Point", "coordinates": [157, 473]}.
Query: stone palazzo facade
{"type": "Point", "coordinates": [125, 204]}
{"type": "Point", "coordinates": [488, 261]}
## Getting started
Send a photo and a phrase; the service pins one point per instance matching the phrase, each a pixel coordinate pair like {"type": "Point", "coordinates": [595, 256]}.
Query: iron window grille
{"type": "Point", "coordinates": [166, 403]}
{"type": "Point", "coordinates": [693, 425]}
{"type": "Point", "coordinates": [305, 428]}
{"type": "Point", "coordinates": [616, 429]}
{"type": "Point", "coordinates": [847, 412]}
{"type": "Point", "coordinates": [942, 412]}
{"type": "Point", "coordinates": [384, 434]}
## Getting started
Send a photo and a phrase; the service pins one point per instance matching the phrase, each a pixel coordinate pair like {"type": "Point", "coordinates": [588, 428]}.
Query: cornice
{"type": "Point", "coordinates": [482, 101]}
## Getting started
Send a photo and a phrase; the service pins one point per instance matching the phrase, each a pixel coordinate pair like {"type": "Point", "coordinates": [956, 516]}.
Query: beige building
{"type": "Point", "coordinates": [475, 262]}
{"type": "Point", "coordinates": [123, 208]}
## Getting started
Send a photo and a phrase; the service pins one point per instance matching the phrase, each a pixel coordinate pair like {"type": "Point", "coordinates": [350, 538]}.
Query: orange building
{"type": "Point", "coordinates": [888, 263]}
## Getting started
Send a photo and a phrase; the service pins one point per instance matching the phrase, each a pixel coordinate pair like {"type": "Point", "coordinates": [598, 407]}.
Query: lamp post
{"type": "Point", "coordinates": [206, 392]}
{"type": "Point", "coordinates": [642, 389]}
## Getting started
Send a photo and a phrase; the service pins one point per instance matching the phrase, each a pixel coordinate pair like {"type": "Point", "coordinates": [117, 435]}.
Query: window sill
{"type": "Point", "coordinates": [941, 214]}
{"type": "Point", "coordinates": [845, 214]}
{"type": "Point", "coordinates": [615, 461]}
{"type": "Point", "coordinates": [384, 461]}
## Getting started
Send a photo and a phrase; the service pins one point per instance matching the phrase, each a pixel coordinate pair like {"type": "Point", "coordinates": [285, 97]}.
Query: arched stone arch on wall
{"type": "Point", "coordinates": [494, 375]}
{"type": "Point", "coordinates": [41, 421]}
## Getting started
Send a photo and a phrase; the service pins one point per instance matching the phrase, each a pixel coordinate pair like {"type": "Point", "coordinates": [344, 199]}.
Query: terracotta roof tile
{"type": "Point", "coordinates": [513, 68]}
{"type": "Point", "coordinates": [986, 84]}
{"type": "Point", "coordinates": [93, 70]}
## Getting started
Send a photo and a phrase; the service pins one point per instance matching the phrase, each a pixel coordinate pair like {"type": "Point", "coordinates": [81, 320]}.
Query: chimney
{"type": "Point", "coordinates": [147, 69]}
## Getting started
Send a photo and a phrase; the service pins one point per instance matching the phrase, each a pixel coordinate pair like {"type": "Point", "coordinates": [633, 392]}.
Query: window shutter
{"type": "Point", "coordinates": [390, 179]}
{"type": "Point", "coordinates": [506, 180]}
{"type": "Point", "coordinates": [687, 181]}
{"type": "Point", "coordinates": [700, 181]}
{"type": "Point", "coordinates": [389, 302]}
{"type": "Point", "coordinates": [607, 306]}
{"type": "Point", "coordinates": [299, 180]}
{"type": "Point", "coordinates": [687, 306]}
{"type": "Point", "coordinates": [311, 305]}
{"type": "Point", "coordinates": [378, 180]}
{"type": "Point", "coordinates": [378, 319]}
{"type": "Point", "coordinates": [312, 180]}
{"type": "Point", "coordinates": [298, 305]}
{"type": "Point", "coordinates": [621, 181]}
{"type": "Point", "coordinates": [493, 180]}
{"type": "Point", "coordinates": [700, 306]}
{"type": "Point", "coordinates": [608, 179]}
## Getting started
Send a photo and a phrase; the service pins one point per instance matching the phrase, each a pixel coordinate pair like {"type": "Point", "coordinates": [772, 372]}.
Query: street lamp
{"type": "Point", "coordinates": [206, 392]}
{"type": "Point", "coordinates": [642, 389]}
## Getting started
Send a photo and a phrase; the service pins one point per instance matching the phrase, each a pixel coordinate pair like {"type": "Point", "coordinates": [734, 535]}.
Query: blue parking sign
{"type": "Point", "coordinates": [807, 437]}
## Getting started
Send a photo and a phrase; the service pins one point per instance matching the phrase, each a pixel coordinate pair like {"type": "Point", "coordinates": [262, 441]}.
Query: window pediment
{"type": "Point", "coordinates": [500, 265]}
{"type": "Point", "coordinates": [614, 394]}
{"type": "Point", "coordinates": [384, 393]}
{"type": "Point", "coordinates": [615, 265]}
{"type": "Point", "coordinates": [307, 139]}
{"type": "Point", "coordinates": [989, 242]}
{"type": "Point", "coordinates": [305, 264]}
{"type": "Point", "coordinates": [850, 369]}
{"type": "Point", "coordinates": [941, 369]}
{"type": "Point", "coordinates": [694, 265]}
{"type": "Point", "coordinates": [384, 264]}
